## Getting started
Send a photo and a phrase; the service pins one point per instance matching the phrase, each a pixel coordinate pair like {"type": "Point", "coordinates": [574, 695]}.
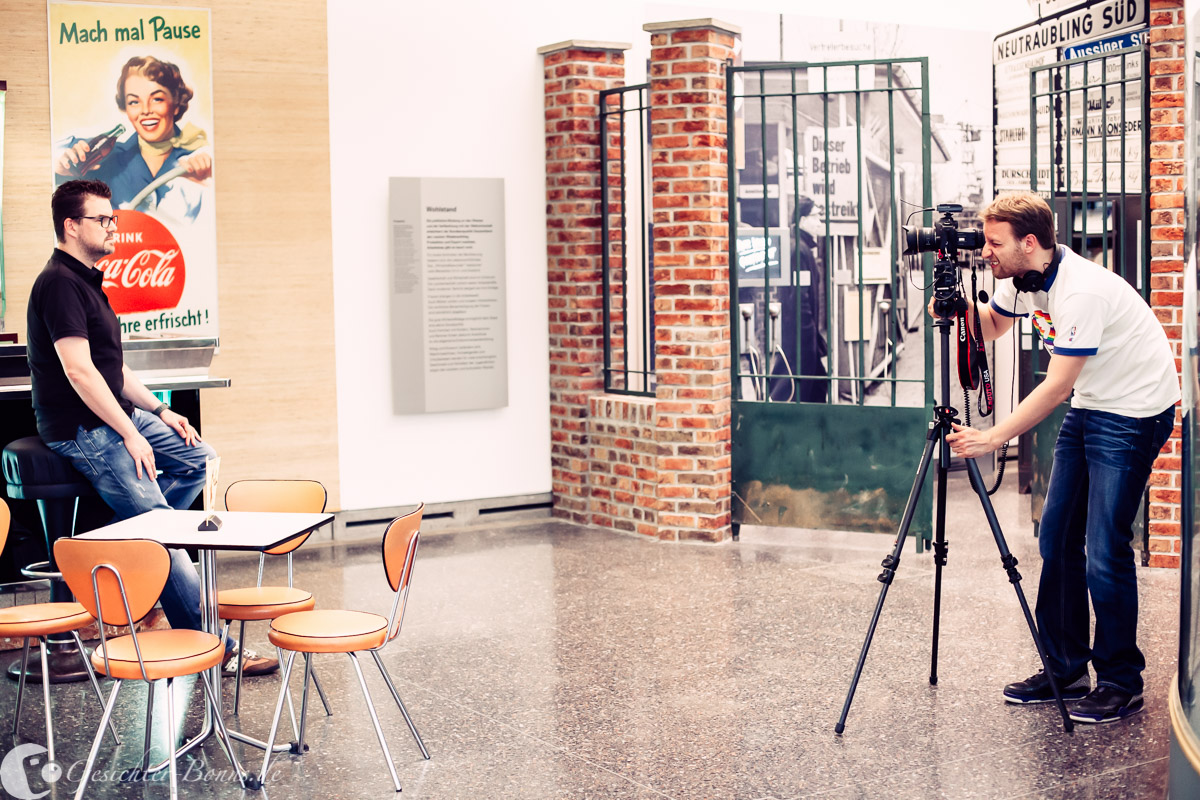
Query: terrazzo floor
{"type": "Point", "coordinates": [545, 660]}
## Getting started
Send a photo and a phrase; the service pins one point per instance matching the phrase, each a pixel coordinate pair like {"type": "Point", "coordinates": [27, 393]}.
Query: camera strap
{"type": "Point", "coordinates": [973, 372]}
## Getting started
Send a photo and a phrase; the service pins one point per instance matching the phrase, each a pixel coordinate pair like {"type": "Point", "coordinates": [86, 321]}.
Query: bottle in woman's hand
{"type": "Point", "coordinates": [87, 154]}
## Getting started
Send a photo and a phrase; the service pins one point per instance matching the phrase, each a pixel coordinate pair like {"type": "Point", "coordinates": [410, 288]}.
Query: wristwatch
{"type": "Point", "coordinates": [158, 412]}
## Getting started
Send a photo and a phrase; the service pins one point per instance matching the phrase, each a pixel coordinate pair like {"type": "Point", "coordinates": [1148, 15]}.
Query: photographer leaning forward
{"type": "Point", "coordinates": [1108, 347]}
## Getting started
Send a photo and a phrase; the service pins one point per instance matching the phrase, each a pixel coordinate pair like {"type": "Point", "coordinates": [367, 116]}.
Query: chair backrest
{"type": "Point", "coordinates": [5, 519]}
{"type": "Point", "coordinates": [142, 564]}
{"type": "Point", "coordinates": [400, 542]}
{"type": "Point", "coordinates": [298, 496]}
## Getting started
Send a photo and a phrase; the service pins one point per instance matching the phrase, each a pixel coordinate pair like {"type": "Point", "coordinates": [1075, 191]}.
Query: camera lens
{"type": "Point", "coordinates": [919, 240]}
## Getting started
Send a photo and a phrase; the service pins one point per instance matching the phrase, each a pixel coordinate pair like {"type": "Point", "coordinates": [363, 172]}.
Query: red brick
{"type": "Point", "coordinates": [1166, 66]}
{"type": "Point", "coordinates": [1166, 201]}
{"type": "Point", "coordinates": [1166, 133]}
{"type": "Point", "coordinates": [1164, 99]}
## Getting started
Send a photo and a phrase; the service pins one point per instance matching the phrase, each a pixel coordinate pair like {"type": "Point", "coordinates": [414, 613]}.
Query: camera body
{"type": "Point", "coordinates": [946, 240]}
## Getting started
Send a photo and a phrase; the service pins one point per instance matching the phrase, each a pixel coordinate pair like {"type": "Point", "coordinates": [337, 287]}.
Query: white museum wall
{"type": "Point", "coordinates": [455, 90]}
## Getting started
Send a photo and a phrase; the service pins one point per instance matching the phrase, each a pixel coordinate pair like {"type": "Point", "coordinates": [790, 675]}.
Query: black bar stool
{"type": "Point", "coordinates": [35, 472]}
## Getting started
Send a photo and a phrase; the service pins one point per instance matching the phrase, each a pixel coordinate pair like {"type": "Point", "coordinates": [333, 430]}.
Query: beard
{"type": "Point", "coordinates": [1018, 265]}
{"type": "Point", "coordinates": [97, 252]}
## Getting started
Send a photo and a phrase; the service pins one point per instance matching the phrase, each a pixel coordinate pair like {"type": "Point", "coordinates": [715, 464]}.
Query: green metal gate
{"type": "Point", "coordinates": [1089, 149]}
{"type": "Point", "coordinates": [833, 363]}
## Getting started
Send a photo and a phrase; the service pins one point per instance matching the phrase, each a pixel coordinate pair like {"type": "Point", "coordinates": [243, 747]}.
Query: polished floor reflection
{"type": "Point", "coordinates": [550, 661]}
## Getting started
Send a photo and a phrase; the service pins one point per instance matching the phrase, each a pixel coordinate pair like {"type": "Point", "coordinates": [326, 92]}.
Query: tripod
{"type": "Point", "coordinates": [948, 298]}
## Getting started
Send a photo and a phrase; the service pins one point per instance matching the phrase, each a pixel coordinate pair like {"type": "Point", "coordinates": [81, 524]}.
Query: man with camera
{"type": "Point", "coordinates": [1110, 350]}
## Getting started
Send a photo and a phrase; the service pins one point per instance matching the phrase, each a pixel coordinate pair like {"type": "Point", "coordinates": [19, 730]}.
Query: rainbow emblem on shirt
{"type": "Point", "coordinates": [1045, 326]}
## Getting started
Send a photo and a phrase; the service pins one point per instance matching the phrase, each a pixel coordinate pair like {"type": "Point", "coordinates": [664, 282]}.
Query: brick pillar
{"type": "Point", "coordinates": [1167, 123]}
{"type": "Point", "coordinates": [575, 73]}
{"type": "Point", "coordinates": [691, 275]}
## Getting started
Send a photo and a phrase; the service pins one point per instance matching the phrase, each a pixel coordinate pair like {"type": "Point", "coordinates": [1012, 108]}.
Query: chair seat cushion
{"type": "Point", "coordinates": [328, 631]}
{"type": "Point", "coordinates": [262, 602]}
{"type": "Point", "coordinates": [43, 619]}
{"type": "Point", "coordinates": [166, 653]}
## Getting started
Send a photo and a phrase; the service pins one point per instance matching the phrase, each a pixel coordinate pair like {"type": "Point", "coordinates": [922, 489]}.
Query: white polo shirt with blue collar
{"type": "Point", "coordinates": [1085, 310]}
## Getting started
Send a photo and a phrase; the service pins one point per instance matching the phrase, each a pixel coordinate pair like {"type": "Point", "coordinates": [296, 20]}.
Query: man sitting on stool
{"type": "Point", "coordinates": [92, 409]}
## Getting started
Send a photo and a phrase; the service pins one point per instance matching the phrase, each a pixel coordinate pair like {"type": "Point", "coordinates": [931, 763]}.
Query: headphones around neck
{"type": "Point", "coordinates": [1034, 281]}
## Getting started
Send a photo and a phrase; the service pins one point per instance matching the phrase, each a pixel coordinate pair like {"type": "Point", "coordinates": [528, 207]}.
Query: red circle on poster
{"type": "Point", "coordinates": [146, 271]}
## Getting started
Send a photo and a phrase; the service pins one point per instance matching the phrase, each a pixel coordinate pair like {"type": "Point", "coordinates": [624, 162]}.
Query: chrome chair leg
{"type": "Point", "coordinates": [222, 734]}
{"type": "Point", "coordinates": [321, 693]}
{"type": "Point", "coordinates": [149, 726]}
{"type": "Point", "coordinates": [283, 690]}
{"type": "Point", "coordinates": [387, 756]}
{"type": "Point", "coordinates": [46, 699]}
{"type": "Point", "coordinates": [396, 696]}
{"type": "Point", "coordinates": [21, 684]}
{"type": "Point", "coordinates": [87, 664]}
{"type": "Point", "coordinates": [304, 702]}
{"type": "Point", "coordinates": [91, 759]}
{"type": "Point", "coordinates": [237, 684]}
{"type": "Point", "coordinates": [171, 738]}
{"type": "Point", "coordinates": [291, 707]}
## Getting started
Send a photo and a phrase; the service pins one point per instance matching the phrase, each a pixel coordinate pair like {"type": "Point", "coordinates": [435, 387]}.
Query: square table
{"type": "Point", "coordinates": [240, 530]}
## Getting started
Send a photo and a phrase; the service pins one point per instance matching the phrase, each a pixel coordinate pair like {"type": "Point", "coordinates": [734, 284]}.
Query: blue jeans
{"type": "Point", "coordinates": [1101, 464]}
{"type": "Point", "coordinates": [100, 455]}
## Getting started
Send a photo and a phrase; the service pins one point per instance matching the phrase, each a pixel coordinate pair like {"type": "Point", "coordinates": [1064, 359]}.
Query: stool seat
{"type": "Point", "coordinates": [35, 472]}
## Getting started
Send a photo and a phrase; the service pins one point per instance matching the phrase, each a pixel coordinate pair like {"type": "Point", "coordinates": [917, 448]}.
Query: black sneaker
{"type": "Point", "coordinates": [1036, 689]}
{"type": "Point", "coordinates": [1106, 704]}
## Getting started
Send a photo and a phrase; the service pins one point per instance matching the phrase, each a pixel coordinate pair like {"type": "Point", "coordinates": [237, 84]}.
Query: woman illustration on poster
{"type": "Point", "coordinates": [162, 168]}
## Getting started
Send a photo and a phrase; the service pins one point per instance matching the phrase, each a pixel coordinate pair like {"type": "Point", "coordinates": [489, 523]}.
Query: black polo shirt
{"type": "Point", "coordinates": [68, 300]}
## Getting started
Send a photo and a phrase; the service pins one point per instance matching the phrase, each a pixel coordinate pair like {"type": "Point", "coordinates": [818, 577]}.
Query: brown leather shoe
{"type": "Point", "coordinates": [254, 663]}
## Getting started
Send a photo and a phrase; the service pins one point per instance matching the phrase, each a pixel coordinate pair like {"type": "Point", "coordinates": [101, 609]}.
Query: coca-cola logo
{"type": "Point", "coordinates": [146, 271]}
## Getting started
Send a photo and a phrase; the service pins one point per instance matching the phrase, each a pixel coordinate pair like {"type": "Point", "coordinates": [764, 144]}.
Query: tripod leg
{"type": "Point", "coordinates": [1010, 566]}
{"type": "Point", "coordinates": [939, 555]}
{"type": "Point", "coordinates": [890, 563]}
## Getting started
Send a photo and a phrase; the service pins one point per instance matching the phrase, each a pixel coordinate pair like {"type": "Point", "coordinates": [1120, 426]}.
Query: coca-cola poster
{"type": "Point", "coordinates": [131, 105]}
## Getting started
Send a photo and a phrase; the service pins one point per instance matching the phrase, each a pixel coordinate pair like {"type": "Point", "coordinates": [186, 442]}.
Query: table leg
{"type": "Point", "coordinates": [210, 614]}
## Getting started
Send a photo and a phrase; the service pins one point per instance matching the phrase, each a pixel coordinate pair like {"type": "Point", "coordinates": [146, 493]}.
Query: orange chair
{"type": "Point", "coordinates": [118, 582]}
{"type": "Point", "coordinates": [37, 621]}
{"type": "Point", "coordinates": [268, 602]}
{"type": "Point", "coordinates": [352, 632]}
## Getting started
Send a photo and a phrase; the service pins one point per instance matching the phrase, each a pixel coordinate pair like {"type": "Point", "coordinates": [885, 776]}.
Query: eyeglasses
{"type": "Point", "coordinates": [105, 221]}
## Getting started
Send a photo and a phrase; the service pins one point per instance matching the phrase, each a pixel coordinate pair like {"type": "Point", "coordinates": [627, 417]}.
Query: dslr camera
{"type": "Point", "coordinates": [944, 238]}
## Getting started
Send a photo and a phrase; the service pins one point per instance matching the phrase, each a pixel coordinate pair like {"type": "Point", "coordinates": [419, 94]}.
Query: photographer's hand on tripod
{"type": "Point", "coordinates": [1054, 389]}
{"type": "Point", "coordinates": [971, 442]}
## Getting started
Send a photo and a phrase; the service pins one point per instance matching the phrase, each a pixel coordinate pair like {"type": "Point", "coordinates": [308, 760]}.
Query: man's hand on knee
{"type": "Point", "coordinates": [142, 453]}
{"type": "Point", "coordinates": [180, 424]}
